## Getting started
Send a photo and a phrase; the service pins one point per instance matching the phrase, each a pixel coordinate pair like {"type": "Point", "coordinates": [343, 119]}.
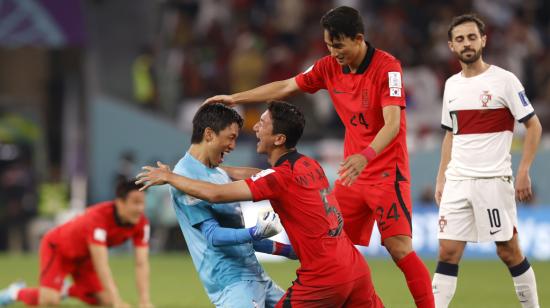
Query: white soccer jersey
{"type": "Point", "coordinates": [480, 111]}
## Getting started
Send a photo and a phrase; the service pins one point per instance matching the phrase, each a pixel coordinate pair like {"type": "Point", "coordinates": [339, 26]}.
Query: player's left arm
{"type": "Point", "coordinates": [530, 146]}
{"type": "Point", "coordinates": [142, 276]}
{"type": "Point", "coordinates": [354, 164]}
{"type": "Point", "coordinates": [210, 192]}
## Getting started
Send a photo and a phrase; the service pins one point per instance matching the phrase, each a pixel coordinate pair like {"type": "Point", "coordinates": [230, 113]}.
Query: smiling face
{"type": "Point", "coordinates": [264, 133]}
{"type": "Point", "coordinates": [217, 145]}
{"type": "Point", "coordinates": [344, 49]}
{"type": "Point", "coordinates": [467, 43]}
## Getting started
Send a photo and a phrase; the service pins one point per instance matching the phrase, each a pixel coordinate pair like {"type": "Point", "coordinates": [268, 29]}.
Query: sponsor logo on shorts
{"type": "Point", "coordinates": [495, 232]}
{"type": "Point", "coordinates": [442, 223]}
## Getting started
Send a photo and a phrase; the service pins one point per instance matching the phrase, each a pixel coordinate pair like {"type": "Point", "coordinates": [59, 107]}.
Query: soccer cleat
{"type": "Point", "coordinates": [9, 294]}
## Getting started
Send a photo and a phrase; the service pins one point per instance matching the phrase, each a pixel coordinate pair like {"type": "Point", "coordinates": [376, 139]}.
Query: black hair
{"type": "Point", "coordinates": [458, 20]}
{"type": "Point", "coordinates": [124, 187]}
{"type": "Point", "coordinates": [217, 117]}
{"type": "Point", "coordinates": [287, 120]}
{"type": "Point", "coordinates": [343, 21]}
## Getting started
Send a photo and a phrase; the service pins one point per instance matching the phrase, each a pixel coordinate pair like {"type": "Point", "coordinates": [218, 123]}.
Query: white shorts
{"type": "Point", "coordinates": [478, 210]}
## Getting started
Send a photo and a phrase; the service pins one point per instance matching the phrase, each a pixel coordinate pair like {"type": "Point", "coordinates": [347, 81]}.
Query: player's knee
{"type": "Point", "coordinates": [50, 300]}
{"type": "Point", "coordinates": [510, 255]}
{"type": "Point", "coordinates": [48, 297]}
{"type": "Point", "coordinates": [398, 246]}
{"type": "Point", "coordinates": [449, 255]}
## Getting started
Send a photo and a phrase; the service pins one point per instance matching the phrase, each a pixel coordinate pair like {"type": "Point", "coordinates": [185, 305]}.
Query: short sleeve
{"type": "Point", "coordinates": [446, 121]}
{"type": "Point", "coordinates": [312, 79]}
{"type": "Point", "coordinates": [517, 100]}
{"type": "Point", "coordinates": [97, 231]}
{"type": "Point", "coordinates": [266, 184]}
{"type": "Point", "coordinates": [142, 235]}
{"type": "Point", "coordinates": [391, 87]}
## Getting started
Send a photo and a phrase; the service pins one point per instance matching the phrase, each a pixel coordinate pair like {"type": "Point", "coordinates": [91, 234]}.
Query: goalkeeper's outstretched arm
{"type": "Point", "coordinates": [213, 193]}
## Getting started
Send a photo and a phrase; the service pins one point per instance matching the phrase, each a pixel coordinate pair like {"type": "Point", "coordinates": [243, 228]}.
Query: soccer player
{"type": "Point", "coordinates": [79, 248]}
{"type": "Point", "coordinates": [221, 247]}
{"type": "Point", "coordinates": [332, 272]}
{"type": "Point", "coordinates": [365, 85]}
{"type": "Point", "coordinates": [475, 189]}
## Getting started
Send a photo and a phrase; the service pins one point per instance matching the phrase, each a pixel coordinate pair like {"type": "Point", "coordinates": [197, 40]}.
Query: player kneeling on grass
{"type": "Point", "coordinates": [79, 248]}
{"type": "Point", "coordinates": [332, 272]}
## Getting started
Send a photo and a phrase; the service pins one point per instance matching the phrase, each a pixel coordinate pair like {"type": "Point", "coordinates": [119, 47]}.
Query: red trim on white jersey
{"type": "Point", "coordinates": [481, 121]}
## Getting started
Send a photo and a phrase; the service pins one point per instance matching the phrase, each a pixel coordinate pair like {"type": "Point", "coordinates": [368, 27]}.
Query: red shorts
{"type": "Point", "coordinates": [54, 268]}
{"type": "Point", "coordinates": [356, 293]}
{"type": "Point", "coordinates": [388, 203]}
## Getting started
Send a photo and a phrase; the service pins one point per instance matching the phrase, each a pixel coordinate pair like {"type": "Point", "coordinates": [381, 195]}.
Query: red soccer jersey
{"type": "Point", "coordinates": [297, 189]}
{"type": "Point", "coordinates": [358, 99]}
{"type": "Point", "coordinates": [100, 225]}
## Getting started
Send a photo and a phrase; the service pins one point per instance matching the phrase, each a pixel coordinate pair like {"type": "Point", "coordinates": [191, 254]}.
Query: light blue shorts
{"type": "Point", "coordinates": [248, 294]}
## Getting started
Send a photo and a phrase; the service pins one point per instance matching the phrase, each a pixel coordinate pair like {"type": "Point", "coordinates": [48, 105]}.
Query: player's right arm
{"type": "Point", "coordinates": [272, 91]}
{"type": "Point", "coordinates": [100, 260]}
{"type": "Point", "coordinates": [446, 148]}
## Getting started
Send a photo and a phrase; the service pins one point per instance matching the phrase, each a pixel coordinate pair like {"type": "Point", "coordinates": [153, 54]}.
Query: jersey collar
{"type": "Point", "coordinates": [118, 220]}
{"type": "Point", "coordinates": [291, 156]}
{"type": "Point", "coordinates": [366, 61]}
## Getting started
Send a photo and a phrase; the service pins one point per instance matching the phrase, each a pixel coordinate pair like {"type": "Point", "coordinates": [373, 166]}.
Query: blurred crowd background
{"type": "Point", "coordinates": [90, 90]}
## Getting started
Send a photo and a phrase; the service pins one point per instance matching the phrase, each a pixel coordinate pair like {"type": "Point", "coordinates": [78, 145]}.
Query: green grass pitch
{"type": "Point", "coordinates": [174, 282]}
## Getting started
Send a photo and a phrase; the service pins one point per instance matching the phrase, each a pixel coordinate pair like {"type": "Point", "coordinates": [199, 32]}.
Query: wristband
{"type": "Point", "coordinates": [369, 153]}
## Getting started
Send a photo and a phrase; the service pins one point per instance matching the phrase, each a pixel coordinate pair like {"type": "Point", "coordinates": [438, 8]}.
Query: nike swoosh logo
{"type": "Point", "coordinates": [452, 100]}
{"type": "Point", "coordinates": [339, 92]}
{"type": "Point", "coordinates": [525, 301]}
{"type": "Point", "coordinates": [495, 232]}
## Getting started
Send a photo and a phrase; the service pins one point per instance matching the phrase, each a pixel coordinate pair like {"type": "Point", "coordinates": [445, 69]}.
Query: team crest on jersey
{"type": "Point", "coordinates": [485, 98]}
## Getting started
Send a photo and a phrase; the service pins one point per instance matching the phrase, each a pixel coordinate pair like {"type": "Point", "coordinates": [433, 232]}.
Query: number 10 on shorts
{"type": "Point", "coordinates": [494, 218]}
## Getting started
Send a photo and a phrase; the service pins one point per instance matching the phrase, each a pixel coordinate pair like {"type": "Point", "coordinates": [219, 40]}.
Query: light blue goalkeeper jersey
{"type": "Point", "coordinates": [218, 267]}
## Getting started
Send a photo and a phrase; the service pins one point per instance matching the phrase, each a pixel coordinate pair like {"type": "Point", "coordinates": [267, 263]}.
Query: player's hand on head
{"type": "Point", "coordinates": [152, 176]}
{"type": "Point", "coordinates": [267, 225]}
{"type": "Point", "coordinates": [351, 168]}
{"type": "Point", "coordinates": [222, 99]}
{"type": "Point", "coordinates": [523, 187]}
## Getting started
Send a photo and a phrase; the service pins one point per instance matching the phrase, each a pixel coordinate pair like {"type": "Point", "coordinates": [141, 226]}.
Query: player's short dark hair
{"type": "Point", "coordinates": [287, 120]}
{"type": "Point", "coordinates": [343, 21]}
{"type": "Point", "coordinates": [458, 20]}
{"type": "Point", "coordinates": [217, 117]}
{"type": "Point", "coordinates": [124, 187]}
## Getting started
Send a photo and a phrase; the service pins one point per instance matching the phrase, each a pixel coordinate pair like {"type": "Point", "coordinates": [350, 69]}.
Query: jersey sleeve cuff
{"type": "Point", "coordinates": [255, 192]}
{"type": "Point", "coordinates": [527, 117]}
{"type": "Point", "coordinates": [300, 82]}
{"type": "Point", "coordinates": [445, 127]}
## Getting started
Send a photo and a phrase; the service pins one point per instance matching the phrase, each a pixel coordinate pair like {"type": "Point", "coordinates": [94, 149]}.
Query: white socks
{"type": "Point", "coordinates": [444, 288]}
{"type": "Point", "coordinates": [444, 283]}
{"type": "Point", "coordinates": [525, 284]}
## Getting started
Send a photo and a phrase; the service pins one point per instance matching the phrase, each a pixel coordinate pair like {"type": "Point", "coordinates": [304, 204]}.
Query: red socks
{"type": "Point", "coordinates": [28, 296]}
{"type": "Point", "coordinates": [418, 280]}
